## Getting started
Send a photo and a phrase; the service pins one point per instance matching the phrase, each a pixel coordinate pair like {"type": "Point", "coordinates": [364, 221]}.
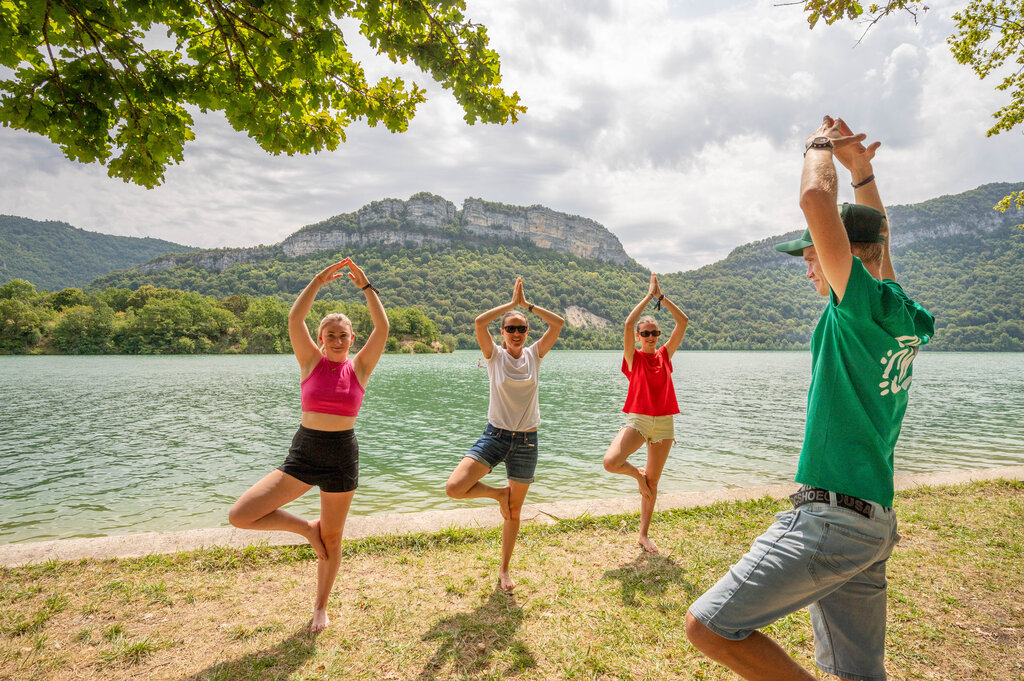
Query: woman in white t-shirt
{"type": "Point", "coordinates": [512, 417]}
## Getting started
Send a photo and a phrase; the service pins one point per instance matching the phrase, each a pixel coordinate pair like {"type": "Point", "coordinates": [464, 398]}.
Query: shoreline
{"type": "Point", "coordinates": [359, 527]}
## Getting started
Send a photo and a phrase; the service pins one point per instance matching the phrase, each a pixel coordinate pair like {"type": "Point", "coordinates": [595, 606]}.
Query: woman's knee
{"type": "Point", "coordinates": [612, 461]}
{"type": "Point", "coordinates": [454, 488]}
{"type": "Point", "coordinates": [515, 510]}
{"type": "Point", "coordinates": [331, 537]}
{"type": "Point", "coordinates": [239, 517]}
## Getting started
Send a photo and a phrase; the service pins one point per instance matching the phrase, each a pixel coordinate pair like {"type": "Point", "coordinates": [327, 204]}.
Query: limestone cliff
{"type": "Point", "coordinates": [545, 228]}
{"type": "Point", "coordinates": [425, 219]}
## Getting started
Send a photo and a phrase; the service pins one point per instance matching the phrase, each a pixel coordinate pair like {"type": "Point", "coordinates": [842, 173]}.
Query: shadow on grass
{"type": "Point", "coordinates": [650, 575]}
{"type": "Point", "coordinates": [275, 662]}
{"type": "Point", "coordinates": [468, 641]}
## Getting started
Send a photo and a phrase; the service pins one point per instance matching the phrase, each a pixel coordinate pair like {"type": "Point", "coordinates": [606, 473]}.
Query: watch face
{"type": "Point", "coordinates": [822, 142]}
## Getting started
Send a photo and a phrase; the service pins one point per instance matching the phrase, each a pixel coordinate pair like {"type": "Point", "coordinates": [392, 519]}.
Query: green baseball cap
{"type": "Point", "coordinates": [863, 224]}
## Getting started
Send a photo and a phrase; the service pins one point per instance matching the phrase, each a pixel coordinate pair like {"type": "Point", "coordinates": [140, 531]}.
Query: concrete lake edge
{"type": "Point", "coordinates": [359, 527]}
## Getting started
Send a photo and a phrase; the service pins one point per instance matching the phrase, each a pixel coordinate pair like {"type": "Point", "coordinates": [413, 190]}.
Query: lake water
{"type": "Point", "coordinates": [93, 446]}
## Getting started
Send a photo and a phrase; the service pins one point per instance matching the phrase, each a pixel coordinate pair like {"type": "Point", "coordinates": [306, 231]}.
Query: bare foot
{"type": "Point", "coordinates": [506, 512]}
{"type": "Point", "coordinates": [505, 581]}
{"type": "Point", "coordinates": [648, 545]}
{"type": "Point", "coordinates": [317, 543]}
{"type": "Point", "coordinates": [641, 481]}
{"type": "Point", "coordinates": [320, 620]}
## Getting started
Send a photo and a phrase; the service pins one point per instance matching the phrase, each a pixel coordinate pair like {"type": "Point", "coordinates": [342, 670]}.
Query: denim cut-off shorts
{"type": "Point", "coordinates": [517, 449]}
{"type": "Point", "coordinates": [828, 559]}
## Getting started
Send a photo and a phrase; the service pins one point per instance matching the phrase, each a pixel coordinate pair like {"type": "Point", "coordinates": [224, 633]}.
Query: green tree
{"type": "Point", "coordinates": [84, 330]}
{"type": "Point", "coordinates": [66, 298]}
{"type": "Point", "coordinates": [18, 289]}
{"type": "Point", "coordinates": [89, 75]}
{"type": "Point", "coordinates": [989, 33]}
{"type": "Point", "coordinates": [21, 326]}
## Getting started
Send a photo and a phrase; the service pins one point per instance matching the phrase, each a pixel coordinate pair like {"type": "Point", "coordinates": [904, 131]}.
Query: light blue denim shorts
{"type": "Point", "coordinates": [518, 449]}
{"type": "Point", "coordinates": [828, 559]}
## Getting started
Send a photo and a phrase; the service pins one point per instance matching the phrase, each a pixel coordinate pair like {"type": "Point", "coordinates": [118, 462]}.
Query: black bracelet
{"type": "Point", "coordinates": [371, 287]}
{"type": "Point", "coordinates": [660, 298]}
{"type": "Point", "coordinates": [867, 180]}
{"type": "Point", "coordinates": [530, 307]}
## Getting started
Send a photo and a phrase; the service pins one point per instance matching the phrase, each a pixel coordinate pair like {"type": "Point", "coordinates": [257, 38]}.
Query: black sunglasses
{"type": "Point", "coordinates": [645, 334]}
{"type": "Point", "coordinates": [516, 328]}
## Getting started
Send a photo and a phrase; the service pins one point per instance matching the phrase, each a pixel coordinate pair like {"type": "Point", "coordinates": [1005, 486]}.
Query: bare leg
{"type": "Point", "coordinates": [464, 483]}
{"type": "Point", "coordinates": [333, 511]}
{"type": "Point", "coordinates": [509, 532]}
{"type": "Point", "coordinates": [657, 454]}
{"type": "Point", "coordinates": [625, 443]}
{"type": "Point", "coordinates": [259, 508]}
{"type": "Point", "coordinates": [755, 658]}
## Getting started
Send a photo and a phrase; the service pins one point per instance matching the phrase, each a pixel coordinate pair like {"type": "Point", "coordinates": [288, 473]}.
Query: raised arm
{"type": "Point", "coordinates": [857, 159]}
{"type": "Point", "coordinates": [672, 344]}
{"type": "Point", "coordinates": [553, 321]}
{"type": "Point", "coordinates": [483, 334]}
{"type": "Point", "coordinates": [629, 332]}
{"type": "Point", "coordinates": [818, 194]}
{"type": "Point", "coordinates": [366, 359]}
{"type": "Point", "coordinates": [303, 345]}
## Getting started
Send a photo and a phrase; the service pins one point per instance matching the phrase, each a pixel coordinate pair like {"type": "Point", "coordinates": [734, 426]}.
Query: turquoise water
{"type": "Point", "coordinates": [93, 446]}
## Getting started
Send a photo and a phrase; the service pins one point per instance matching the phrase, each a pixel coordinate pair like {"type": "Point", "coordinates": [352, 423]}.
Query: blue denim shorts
{"type": "Point", "coordinates": [517, 449]}
{"type": "Point", "coordinates": [828, 559]}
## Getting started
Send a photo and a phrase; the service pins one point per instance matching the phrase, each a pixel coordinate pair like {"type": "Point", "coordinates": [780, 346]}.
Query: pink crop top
{"type": "Point", "coordinates": [332, 388]}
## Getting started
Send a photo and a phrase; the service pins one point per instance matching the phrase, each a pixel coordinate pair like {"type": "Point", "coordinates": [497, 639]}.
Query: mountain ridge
{"type": "Point", "coordinates": [953, 254]}
{"type": "Point", "coordinates": [53, 254]}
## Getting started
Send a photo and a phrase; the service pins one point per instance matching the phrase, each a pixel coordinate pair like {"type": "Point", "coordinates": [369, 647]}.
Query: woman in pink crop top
{"type": "Point", "coordinates": [324, 451]}
{"type": "Point", "coordinates": [650, 403]}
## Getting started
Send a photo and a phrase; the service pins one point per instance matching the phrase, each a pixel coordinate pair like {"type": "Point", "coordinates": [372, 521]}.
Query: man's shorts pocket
{"type": "Point", "coordinates": [842, 552]}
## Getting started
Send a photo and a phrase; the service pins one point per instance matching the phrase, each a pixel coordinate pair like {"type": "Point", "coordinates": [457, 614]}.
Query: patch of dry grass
{"type": "Point", "coordinates": [589, 604]}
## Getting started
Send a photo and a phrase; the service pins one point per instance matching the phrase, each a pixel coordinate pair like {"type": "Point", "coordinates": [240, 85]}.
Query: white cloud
{"type": "Point", "coordinates": [678, 127]}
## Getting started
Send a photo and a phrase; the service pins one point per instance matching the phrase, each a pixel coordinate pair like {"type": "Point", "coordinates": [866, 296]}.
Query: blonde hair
{"type": "Point", "coordinates": [646, 319]}
{"type": "Point", "coordinates": [868, 251]}
{"type": "Point", "coordinates": [333, 317]}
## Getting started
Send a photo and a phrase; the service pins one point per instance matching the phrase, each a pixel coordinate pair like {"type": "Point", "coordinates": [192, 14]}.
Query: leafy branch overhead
{"type": "Point", "coordinates": [98, 78]}
{"type": "Point", "coordinates": [988, 34]}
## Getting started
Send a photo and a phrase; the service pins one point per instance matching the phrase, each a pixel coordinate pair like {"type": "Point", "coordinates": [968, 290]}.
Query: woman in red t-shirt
{"type": "Point", "coordinates": [650, 403]}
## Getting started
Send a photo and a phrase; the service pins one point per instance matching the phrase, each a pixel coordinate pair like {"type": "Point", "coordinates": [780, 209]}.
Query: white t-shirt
{"type": "Point", "coordinates": [514, 383]}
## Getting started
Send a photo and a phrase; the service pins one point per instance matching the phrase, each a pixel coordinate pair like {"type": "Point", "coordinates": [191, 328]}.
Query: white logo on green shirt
{"type": "Point", "coordinates": [898, 363]}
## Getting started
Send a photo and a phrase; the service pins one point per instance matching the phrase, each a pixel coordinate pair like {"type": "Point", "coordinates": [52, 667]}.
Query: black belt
{"type": "Point", "coordinates": [811, 495]}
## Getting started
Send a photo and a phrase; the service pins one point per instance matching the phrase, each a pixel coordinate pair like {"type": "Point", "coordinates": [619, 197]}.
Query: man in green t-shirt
{"type": "Point", "coordinates": [829, 553]}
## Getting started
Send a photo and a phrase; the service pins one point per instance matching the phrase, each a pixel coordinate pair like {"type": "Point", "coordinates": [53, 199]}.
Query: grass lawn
{"type": "Point", "coordinates": [589, 603]}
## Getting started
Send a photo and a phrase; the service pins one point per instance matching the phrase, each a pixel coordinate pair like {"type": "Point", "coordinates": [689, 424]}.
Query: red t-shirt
{"type": "Point", "coordinates": [650, 384]}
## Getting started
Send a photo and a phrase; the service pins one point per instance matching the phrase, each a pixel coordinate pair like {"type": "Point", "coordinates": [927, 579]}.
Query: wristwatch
{"type": "Point", "coordinates": [819, 143]}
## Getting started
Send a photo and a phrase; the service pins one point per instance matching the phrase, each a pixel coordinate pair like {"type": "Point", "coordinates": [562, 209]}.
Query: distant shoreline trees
{"type": "Point", "coordinates": [156, 321]}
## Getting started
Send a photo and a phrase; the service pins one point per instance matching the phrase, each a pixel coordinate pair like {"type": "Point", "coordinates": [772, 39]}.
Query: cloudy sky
{"type": "Point", "coordinates": [677, 125]}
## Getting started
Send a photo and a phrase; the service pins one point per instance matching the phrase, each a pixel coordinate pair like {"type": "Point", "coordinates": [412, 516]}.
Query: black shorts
{"type": "Point", "coordinates": [326, 458]}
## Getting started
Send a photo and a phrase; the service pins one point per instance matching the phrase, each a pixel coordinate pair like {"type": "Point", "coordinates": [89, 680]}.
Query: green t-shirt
{"type": "Point", "coordinates": [861, 355]}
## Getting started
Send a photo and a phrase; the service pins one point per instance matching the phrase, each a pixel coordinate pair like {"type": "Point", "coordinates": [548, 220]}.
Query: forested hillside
{"type": "Point", "coordinates": [954, 254]}
{"type": "Point", "coordinates": [55, 255]}
{"type": "Point", "coordinates": [452, 285]}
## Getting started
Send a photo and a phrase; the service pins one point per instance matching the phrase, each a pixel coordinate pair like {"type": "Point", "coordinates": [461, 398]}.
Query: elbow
{"type": "Point", "coordinates": [815, 198]}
